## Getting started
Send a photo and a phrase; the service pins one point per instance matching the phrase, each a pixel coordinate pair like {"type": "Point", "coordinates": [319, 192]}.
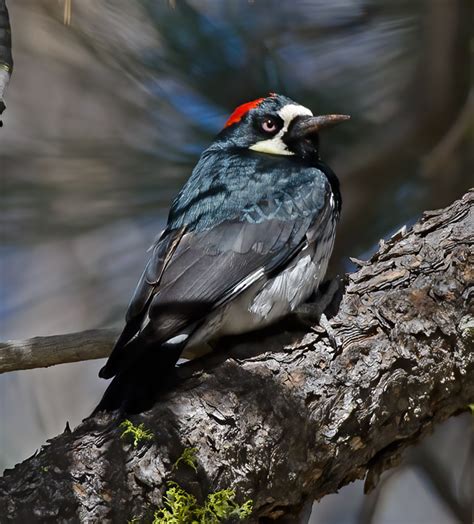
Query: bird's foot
{"type": "Point", "coordinates": [325, 301]}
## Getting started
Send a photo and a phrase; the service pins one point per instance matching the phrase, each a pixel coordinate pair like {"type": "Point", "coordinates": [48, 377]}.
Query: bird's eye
{"type": "Point", "coordinates": [269, 125]}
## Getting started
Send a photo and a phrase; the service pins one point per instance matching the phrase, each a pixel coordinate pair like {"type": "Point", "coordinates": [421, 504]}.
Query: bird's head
{"type": "Point", "coordinates": [276, 125]}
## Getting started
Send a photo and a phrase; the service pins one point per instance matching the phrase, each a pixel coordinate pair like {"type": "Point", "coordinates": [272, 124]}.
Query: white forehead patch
{"type": "Point", "coordinates": [291, 111]}
{"type": "Point", "coordinates": [275, 145]}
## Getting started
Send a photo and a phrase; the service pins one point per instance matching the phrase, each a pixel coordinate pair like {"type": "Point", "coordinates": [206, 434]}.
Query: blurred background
{"type": "Point", "coordinates": [109, 107]}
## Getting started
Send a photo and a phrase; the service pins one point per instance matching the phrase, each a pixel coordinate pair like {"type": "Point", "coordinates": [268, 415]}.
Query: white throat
{"type": "Point", "coordinates": [275, 145]}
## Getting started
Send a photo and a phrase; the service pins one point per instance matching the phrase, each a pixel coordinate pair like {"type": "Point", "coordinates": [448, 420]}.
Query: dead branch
{"type": "Point", "coordinates": [42, 352]}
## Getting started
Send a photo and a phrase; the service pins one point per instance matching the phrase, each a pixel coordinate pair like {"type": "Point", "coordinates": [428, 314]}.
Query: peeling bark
{"type": "Point", "coordinates": [291, 417]}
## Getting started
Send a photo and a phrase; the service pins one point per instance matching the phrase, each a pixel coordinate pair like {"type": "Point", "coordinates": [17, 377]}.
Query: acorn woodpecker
{"type": "Point", "coordinates": [248, 239]}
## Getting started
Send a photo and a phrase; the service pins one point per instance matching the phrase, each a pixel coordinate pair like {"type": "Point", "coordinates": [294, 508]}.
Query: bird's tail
{"type": "Point", "coordinates": [136, 386]}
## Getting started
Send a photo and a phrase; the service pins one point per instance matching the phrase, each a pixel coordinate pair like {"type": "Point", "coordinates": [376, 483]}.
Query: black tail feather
{"type": "Point", "coordinates": [125, 349]}
{"type": "Point", "coordinates": [136, 387]}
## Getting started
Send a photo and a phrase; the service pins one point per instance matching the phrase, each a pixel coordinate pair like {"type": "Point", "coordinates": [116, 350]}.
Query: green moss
{"type": "Point", "coordinates": [222, 505]}
{"type": "Point", "coordinates": [188, 457]}
{"type": "Point", "coordinates": [136, 433]}
{"type": "Point", "coordinates": [182, 507]}
{"type": "Point", "coordinates": [466, 327]}
{"type": "Point", "coordinates": [471, 407]}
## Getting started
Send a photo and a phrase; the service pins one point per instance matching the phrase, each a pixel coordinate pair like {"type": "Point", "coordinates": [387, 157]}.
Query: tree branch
{"type": "Point", "coordinates": [287, 418]}
{"type": "Point", "coordinates": [42, 352]}
{"type": "Point", "coordinates": [6, 60]}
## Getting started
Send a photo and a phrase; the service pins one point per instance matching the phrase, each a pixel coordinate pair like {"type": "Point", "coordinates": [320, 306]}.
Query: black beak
{"type": "Point", "coordinates": [311, 125]}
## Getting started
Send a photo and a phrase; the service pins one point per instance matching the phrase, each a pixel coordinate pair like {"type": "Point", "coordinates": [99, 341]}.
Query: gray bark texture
{"type": "Point", "coordinates": [289, 417]}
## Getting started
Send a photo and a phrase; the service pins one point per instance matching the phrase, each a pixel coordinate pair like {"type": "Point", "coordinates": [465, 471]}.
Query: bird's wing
{"type": "Point", "coordinates": [210, 268]}
{"type": "Point", "coordinates": [162, 251]}
{"type": "Point", "coordinates": [191, 273]}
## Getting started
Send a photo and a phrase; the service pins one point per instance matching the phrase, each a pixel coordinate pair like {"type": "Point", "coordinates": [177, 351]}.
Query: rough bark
{"type": "Point", "coordinates": [290, 417]}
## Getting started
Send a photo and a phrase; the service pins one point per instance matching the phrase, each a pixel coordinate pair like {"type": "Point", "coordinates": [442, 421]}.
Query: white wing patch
{"type": "Point", "coordinates": [178, 339]}
{"type": "Point", "coordinates": [275, 145]}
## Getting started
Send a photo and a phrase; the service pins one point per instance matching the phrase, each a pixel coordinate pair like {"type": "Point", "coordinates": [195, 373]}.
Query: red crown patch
{"type": "Point", "coordinates": [242, 110]}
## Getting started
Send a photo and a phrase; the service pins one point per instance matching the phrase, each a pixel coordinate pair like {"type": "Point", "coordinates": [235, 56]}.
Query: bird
{"type": "Point", "coordinates": [248, 239]}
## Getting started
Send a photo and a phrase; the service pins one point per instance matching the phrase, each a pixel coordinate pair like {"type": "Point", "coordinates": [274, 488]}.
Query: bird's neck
{"type": "Point", "coordinates": [333, 181]}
